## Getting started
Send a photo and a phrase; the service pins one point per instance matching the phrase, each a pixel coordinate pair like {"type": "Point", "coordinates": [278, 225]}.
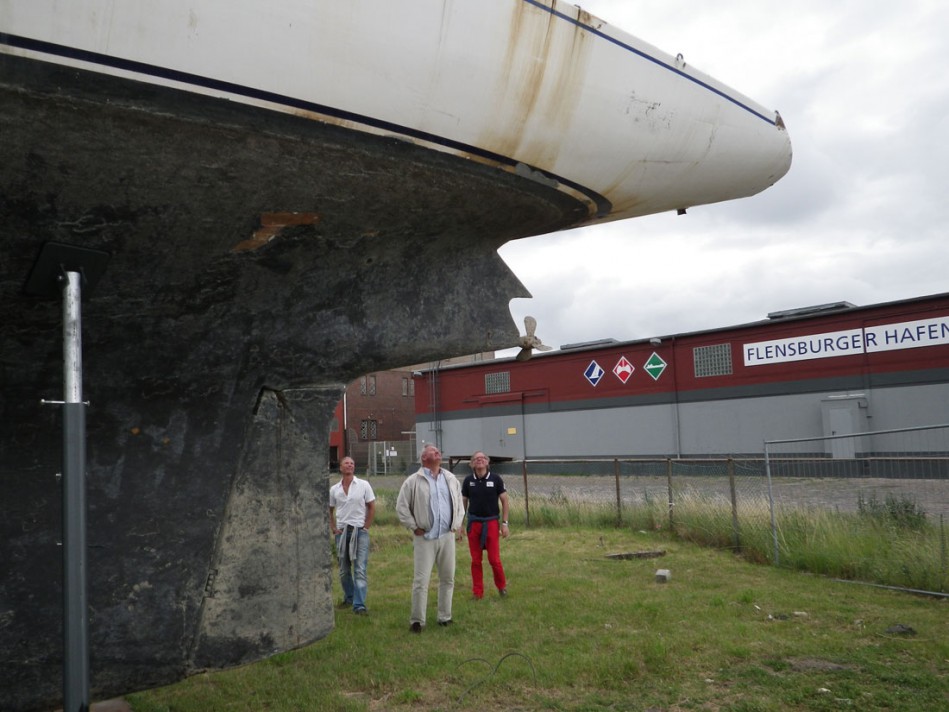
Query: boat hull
{"type": "Point", "coordinates": [275, 228]}
{"type": "Point", "coordinates": [202, 316]}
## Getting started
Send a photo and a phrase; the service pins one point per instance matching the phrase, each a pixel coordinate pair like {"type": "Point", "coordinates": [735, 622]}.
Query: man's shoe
{"type": "Point", "coordinates": [445, 623]}
{"type": "Point", "coordinates": [360, 611]}
{"type": "Point", "coordinates": [416, 627]}
{"type": "Point", "coordinates": [502, 592]}
{"type": "Point", "coordinates": [344, 604]}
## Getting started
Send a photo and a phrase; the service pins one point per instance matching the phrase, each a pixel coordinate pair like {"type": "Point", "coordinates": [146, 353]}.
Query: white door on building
{"type": "Point", "coordinates": [843, 416]}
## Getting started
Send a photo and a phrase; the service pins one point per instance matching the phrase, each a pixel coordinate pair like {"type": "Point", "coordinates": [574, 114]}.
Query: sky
{"type": "Point", "coordinates": [862, 216]}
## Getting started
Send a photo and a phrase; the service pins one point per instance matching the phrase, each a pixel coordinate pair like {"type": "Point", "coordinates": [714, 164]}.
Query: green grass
{"type": "Point", "coordinates": [581, 631]}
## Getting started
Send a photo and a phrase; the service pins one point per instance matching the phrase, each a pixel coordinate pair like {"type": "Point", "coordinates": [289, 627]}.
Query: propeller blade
{"type": "Point", "coordinates": [523, 355]}
{"type": "Point", "coordinates": [530, 324]}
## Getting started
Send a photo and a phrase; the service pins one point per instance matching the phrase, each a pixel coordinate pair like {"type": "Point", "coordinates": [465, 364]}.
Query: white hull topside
{"type": "Point", "coordinates": [541, 89]}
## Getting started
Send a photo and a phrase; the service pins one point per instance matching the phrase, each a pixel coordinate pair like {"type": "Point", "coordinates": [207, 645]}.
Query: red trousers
{"type": "Point", "coordinates": [493, 547]}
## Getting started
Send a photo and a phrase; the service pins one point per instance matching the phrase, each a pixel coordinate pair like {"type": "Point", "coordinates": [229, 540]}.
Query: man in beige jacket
{"type": "Point", "coordinates": [430, 505]}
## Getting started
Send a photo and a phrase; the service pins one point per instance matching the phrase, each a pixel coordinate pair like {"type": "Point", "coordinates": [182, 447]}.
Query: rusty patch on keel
{"type": "Point", "coordinates": [270, 226]}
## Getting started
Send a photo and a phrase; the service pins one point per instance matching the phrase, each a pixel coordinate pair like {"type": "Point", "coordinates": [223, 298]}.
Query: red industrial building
{"type": "Point", "coordinates": [831, 369]}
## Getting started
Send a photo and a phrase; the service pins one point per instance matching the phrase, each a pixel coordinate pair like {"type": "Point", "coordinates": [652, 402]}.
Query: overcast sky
{"type": "Point", "coordinates": [862, 216]}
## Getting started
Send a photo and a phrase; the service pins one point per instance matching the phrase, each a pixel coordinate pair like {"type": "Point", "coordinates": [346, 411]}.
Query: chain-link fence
{"type": "Point", "coordinates": [771, 506]}
{"type": "Point", "coordinates": [775, 508]}
{"type": "Point", "coordinates": [736, 488]}
{"type": "Point", "coordinates": [389, 457]}
{"type": "Point", "coordinates": [901, 475]}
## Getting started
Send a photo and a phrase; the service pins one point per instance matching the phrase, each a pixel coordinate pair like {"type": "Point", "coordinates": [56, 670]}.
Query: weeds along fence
{"type": "Point", "coordinates": [724, 497]}
{"type": "Point", "coordinates": [869, 495]}
{"type": "Point", "coordinates": [898, 504]}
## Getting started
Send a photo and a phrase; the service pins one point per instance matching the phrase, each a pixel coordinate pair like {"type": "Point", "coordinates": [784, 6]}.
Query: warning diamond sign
{"type": "Point", "coordinates": [654, 366]}
{"type": "Point", "coordinates": [623, 369]}
{"type": "Point", "coordinates": [594, 373]}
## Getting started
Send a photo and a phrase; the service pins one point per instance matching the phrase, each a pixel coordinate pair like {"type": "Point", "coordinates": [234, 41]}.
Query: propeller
{"type": "Point", "coordinates": [529, 342]}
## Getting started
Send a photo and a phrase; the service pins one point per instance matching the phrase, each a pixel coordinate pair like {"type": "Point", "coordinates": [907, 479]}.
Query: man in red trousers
{"type": "Point", "coordinates": [486, 505]}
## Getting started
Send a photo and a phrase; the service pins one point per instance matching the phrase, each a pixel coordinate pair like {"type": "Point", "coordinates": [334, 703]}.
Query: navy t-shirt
{"type": "Point", "coordinates": [483, 494]}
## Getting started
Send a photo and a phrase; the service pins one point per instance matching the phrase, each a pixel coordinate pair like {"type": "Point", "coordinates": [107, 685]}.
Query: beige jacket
{"type": "Point", "coordinates": [414, 505]}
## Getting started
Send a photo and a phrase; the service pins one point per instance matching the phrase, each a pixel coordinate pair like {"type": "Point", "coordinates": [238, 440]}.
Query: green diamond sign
{"type": "Point", "coordinates": [654, 366]}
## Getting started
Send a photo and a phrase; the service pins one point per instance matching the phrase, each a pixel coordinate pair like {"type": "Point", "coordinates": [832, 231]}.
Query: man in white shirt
{"type": "Point", "coordinates": [352, 509]}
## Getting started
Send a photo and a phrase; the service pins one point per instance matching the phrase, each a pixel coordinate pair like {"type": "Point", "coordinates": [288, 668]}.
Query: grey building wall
{"type": "Point", "coordinates": [730, 426]}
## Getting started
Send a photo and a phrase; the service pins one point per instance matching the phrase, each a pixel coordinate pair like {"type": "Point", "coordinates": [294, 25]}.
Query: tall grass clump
{"type": "Point", "coordinates": [559, 510]}
{"type": "Point", "coordinates": [899, 512]}
{"type": "Point", "coordinates": [890, 543]}
{"type": "Point", "coordinates": [704, 519]}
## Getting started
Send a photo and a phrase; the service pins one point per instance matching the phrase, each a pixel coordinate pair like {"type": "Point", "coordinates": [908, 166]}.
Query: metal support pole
{"type": "Point", "coordinates": [75, 604]}
{"type": "Point", "coordinates": [64, 271]}
{"type": "Point", "coordinates": [736, 528]}
{"type": "Point", "coordinates": [774, 526]}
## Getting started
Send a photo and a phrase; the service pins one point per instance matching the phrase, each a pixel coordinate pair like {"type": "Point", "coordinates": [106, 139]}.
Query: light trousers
{"type": "Point", "coordinates": [439, 553]}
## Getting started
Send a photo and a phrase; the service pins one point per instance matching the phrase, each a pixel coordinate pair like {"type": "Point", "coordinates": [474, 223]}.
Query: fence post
{"type": "Point", "coordinates": [671, 500]}
{"type": "Point", "coordinates": [619, 499]}
{"type": "Point", "coordinates": [774, 528]}
{"type": "Point", "coordinates": [731, 485]}
{"type": "Point", "coordinates": [942, 543]}
{"type": "Point", "coordinates": [527, 503]}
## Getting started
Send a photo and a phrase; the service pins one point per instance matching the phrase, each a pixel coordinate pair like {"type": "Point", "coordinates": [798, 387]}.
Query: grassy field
{"type": "Point", "coordinates": [583, 631]}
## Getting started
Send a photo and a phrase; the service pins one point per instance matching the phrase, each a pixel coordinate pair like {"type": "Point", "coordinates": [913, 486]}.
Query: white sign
{"type": "Point", "coordinates": [872, 339]}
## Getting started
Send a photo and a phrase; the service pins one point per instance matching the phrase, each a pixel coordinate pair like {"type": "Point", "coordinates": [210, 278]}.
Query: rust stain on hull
{"type": "Point", "coordinates": [271, 225]}
{"type": "Point", "coordinates": [541, 79]}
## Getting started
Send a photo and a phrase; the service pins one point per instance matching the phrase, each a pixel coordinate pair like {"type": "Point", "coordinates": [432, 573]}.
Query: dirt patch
{"type": "Point", "coordinates": [816, 665]}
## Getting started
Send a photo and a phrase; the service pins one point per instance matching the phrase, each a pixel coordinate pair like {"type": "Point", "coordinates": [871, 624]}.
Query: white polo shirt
{"type": "Point", "coordinates": [351, 508]}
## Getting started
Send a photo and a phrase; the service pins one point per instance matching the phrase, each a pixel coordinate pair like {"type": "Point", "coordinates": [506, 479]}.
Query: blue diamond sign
{"type": "Point", "coordinates": [654, 366]}
{"type": "Point", "coordinates": [593, 373]}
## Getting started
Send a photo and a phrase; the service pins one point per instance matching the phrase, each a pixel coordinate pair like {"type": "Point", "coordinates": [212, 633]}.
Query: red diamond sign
{"type": "Point", "coordinates": [623, 369]}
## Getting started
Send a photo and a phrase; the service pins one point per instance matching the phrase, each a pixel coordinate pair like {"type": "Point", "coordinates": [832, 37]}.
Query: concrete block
{"type": "Point", "coordinates": [663, 575]}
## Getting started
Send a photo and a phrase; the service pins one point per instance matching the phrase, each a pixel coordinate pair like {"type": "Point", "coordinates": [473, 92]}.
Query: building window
{"type": "Point", "coordinates": [334, 425]}
{"type": "Point", "coordinates": [411, 388]}
{"type": "Point", "coordinates": [368, 430]}
{"type": "Point", "coordinates": [367, 385]}
{"type": "Point", "coordinates": [713, 360]}
{"type": "Point", "coordinates": [497, 382]}
{"type": "Point", "coordinates": [405, 386]}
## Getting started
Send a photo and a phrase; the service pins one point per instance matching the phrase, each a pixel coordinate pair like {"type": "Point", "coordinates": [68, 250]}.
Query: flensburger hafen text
{"type": "Point", "coordinates": [870, 339]}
